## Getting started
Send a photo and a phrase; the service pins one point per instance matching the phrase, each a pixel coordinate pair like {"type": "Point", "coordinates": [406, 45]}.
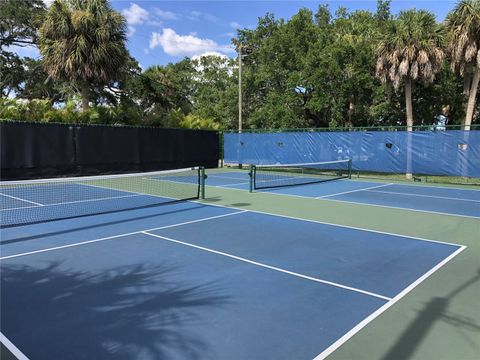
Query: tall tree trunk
{"type": "Point", "coordinates": [408, 102]}
{"type": "Point", "coordinates": [471, 99]}
{"type": "Point", "coordinates": [85, 92]}
{"type": "Point", "coordinates": [467, 81]}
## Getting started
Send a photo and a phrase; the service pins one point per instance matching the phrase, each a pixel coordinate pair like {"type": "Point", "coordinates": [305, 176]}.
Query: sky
{"type": "Point", "coordinates": [160, 32]}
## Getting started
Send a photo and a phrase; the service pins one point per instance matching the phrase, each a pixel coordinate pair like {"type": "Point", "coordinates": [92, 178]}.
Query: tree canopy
{"type": "Point", "coordinates": [316, 69]}
{"type": "Point", "coordinates": [83, 42]}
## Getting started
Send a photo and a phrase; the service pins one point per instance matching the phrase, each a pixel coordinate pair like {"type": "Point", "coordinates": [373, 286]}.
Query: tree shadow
{"type": "Point", "coordinates": [435, 310]}
{"type": "Point", "coordinates": [125, 313]}
{"type": "Point", "coordinates": [121, 220]}
{"type": "Point", "coordinates": [213, 199]}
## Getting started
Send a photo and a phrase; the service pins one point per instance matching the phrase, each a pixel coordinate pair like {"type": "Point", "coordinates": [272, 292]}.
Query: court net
{"type": "Point", "coordinates": [35, 201]}
{"type": "Point", "coordinates": [272, 176]}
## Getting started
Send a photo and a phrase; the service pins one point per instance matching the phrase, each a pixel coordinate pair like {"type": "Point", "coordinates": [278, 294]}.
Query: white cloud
{"type": "Point", "coordinates": [188, 45]}
{"type": "Point", "coordinates": [155, 23]}
{"type": "Point", "coordinates": [199, 15]}
{"type": "Point", "coordinates": [131, 30]}
{"type": "Point", "coordinates": [166, 15]}
{"type": "Point", "coordinates": [135, 14]}
{"type": "Point", "coordinates": [235, 25]}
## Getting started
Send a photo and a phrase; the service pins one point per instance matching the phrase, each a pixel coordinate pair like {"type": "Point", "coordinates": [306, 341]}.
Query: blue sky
{"type": "Point", "coordinates": [166, 31]}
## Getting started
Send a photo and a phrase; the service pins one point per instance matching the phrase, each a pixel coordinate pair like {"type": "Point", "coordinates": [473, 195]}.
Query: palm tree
{"type": "Point", "coordinates": [463, 24]}
{"type": "Point", "coordinates": [410, 50]}
{"type": "Point", "coordinates": [83, 41]}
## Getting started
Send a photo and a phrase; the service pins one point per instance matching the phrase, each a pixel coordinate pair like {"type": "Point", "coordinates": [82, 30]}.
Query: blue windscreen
{"type": "Point", "coordinates": [452, 152]}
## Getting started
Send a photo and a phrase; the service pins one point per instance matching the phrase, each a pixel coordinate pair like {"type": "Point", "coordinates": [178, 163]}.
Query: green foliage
{"type": "Point", "coordinates": [197, 123]}
{"type": "Point", "coordinates": [19, 21]}
{"type": "Point", "coordinates": [43, 111]}
{"type": "Point", "coordinates": [316, 69]}
{"type": "Point", "coordinates": [83, 42]}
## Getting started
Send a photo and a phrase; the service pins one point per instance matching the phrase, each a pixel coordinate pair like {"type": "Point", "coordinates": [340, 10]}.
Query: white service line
{"type": "Point", "coordinates": [73, 202]}
{"type": "Point", "coordinates": [382, 309]}
{"type": "Point", "coordinates": [333, 224]}
{"type": "Point", "coordinates": [326, 282]}
{"type": "Point", "coordinates": [24, 200]}
{"type": "Point", "coordinates": [12, 348]}
{"type": "Point", "coordinates": [117, 236]}
{"type": "Point", "coordinates": [402, 208]}
{"type": "Point", "coordinates": [421, 195]}
{"type": "Point", "coordinates": [352, 191]}
{"type": "Point", "coordinates": [355, 203]}
{"type": "Point", "coordinates": [426, 185]}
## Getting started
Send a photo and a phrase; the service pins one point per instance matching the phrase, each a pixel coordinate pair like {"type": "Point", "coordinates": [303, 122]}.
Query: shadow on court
{"type": "Point", "coordinates": [435, 310]}
{"type": "Point", "coordinates": [218, 198]}
{"type": "Point", "coordinates": [122, 220]}
{"type": "Point", "coordinates": [128, 312]}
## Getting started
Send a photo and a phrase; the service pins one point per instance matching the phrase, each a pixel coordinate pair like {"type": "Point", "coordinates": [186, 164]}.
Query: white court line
{"type": "Point", "coordinates": [24, 200]}
{"type": "Point", "coordinates": [73, 202]}
{"type": "Point", "coordinates": [12, 348]}
{"type": "Point", "coordinates": [118, 236]}
{"type": "Point", "coordinates": [339, 342]}
{"type": "Point", "coordinates": [326, 282]}
{"type": "Point", "coordinates": [382, 309]}
{"type": "Point", "coordinates": [421, 195]}
{"type": "Point", "coordinates": [399, 182]}
{"type": "Point", "coordinates": [352, 191]}
{"type": "Point", "coordinates": [335, 225]}
{"type": "Point", "coordinates": [403, 208]}
{"type": "Point", "coordinates": [356, 203]}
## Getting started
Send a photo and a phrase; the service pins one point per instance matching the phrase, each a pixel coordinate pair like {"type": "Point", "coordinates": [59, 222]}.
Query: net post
{"type": "Point", "coordinates": [349, 168]}
{"type": "Point", "coordinates": [250, 174]}
{"type": "Point", "coordinates": [202, 182]}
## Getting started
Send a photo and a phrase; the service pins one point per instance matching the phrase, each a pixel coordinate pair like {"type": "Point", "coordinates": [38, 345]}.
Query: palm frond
{"type": "Point", "coordinates": [411, 48]}
{"type": "Point", "coordinates": [83, 41]}
{"type": "Point", "coordinates": [463, 24]}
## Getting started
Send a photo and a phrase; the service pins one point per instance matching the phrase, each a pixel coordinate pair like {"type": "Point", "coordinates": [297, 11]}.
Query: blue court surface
{"type": "Point", "coordinates": [444, 200]}
{"type": "Point", "coordinates": [190, 280]}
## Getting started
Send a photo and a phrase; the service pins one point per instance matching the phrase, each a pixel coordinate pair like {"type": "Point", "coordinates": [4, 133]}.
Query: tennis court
{"type": "Point", "coordinates": [176, 279]}
{"type": "Point", "coordinates": [463, 202]}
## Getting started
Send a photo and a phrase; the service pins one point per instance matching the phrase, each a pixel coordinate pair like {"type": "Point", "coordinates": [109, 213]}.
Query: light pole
{"type": "Point", "coordinates": [240, 88]}
{"type": "Point", "coordinates": [248, 50]}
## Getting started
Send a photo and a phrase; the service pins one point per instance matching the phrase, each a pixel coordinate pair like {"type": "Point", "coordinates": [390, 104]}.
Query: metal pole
{"type": "Point", "coordinates": [239, 98]}
{"type": "Point", "coordinates": [239, 88]}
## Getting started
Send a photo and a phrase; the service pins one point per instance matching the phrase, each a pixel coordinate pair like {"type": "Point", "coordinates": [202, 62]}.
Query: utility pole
{"type": "Point", "coordinates": [240, 88]}
{"type": "Point", "coordinates": [248, 50]}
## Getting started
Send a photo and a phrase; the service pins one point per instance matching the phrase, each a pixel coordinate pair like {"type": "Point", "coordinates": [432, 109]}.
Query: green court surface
{"type": "Point", "coordinates": [439, 319]}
